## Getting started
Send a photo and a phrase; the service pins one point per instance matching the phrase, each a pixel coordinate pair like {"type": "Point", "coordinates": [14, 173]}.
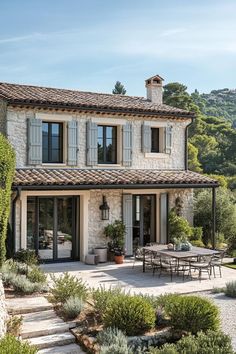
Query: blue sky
{"type": "Point", "coordinates": [89, 44]}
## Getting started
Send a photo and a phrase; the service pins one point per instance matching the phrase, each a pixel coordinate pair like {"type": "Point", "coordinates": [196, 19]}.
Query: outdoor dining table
{"type": "Point", "coordinates": [195, 252]}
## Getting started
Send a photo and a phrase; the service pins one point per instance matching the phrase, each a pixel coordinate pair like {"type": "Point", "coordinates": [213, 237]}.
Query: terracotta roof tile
{"type": "Point", "coordinates": [74, 99]}
{"type": "Point", "coordinates": [107, 177]}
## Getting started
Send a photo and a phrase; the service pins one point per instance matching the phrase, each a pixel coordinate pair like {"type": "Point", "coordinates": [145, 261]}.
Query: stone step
{"type": "Point", "coordinates": [17, 306]}
{"type": "Point", "coordinates": [65, 349]}
{"type": "Point", "coordinates": [43, 323]}
{"type": "Point", "coordinates": [52, 340]}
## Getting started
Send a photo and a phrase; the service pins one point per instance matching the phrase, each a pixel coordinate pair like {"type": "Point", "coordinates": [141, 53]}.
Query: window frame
{"type": "Point", "coordinates": [49, 149]}
{"type": "Point", "coordinates": [104, 139]}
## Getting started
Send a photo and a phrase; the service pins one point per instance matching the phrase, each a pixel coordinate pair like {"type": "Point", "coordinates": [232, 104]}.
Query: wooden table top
{"type": "Point", "coordinates": [194, 252]}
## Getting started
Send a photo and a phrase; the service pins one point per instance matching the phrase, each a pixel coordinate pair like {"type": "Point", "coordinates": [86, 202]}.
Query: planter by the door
{"type": "Point", "coordinates": [119, 259]}
{"type": "Point", "coordinates": [101, 252]}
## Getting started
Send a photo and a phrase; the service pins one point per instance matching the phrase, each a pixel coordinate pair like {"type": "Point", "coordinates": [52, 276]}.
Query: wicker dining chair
{"type": "Point", "coordinates": [216, 262]}
{"type": "Point", "coordinates": [203, 265]}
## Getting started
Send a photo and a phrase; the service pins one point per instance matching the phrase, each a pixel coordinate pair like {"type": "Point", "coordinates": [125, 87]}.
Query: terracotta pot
{"type": "Point", "coordinates": [119, 259]}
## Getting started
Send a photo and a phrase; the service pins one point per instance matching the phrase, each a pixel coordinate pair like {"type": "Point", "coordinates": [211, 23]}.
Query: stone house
{"type": "Point", "coordinates": [81, 155]}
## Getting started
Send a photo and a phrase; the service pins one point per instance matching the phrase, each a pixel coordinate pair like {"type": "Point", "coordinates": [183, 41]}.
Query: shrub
{"type": "Point", "coordinates": [14, 324]}
{"type": "Point", "coordinates": [66, 286]}
{"type": "Point", "coordinates": [192, 314]}
{"type": "Point", "coordinates": [7, 167]}
{"type": "Point", "coordinates": [72, 307]}
{"type": "Point", "coordinates": [9, 344]}
{"type": "Point", "coordinates": [197, 243]}
{"type": "Point", "coordinates": [131, 314]}
{"type": "Point", "coordinates": [36, 275]}
{"type": "Point", "coordinates": [8, 278]}
{"type": "Point", "coordinates": [26, 256]}
{"type": "Point", "coordinates": [196, 234]}
{"type": "Point", "coordinates": [216, 290]}
{"type": "Point", "coordinates": [112, 335]}
{"type": "Point", "coordinates": [211, 342]}
{"type": "Point", "coordinates": [115, 349]}
{"type": "Point", "coordinates": [102, 297]}
{"type": "Point", "coordinates": [178, 226]}
{"type": "Point", "coordinates": [230, 289]}
{"type": "Point", "coordinates": [23, 285]}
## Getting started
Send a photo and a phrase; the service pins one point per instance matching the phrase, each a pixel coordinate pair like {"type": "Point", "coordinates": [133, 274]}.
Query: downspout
{"type": "Point", "coordinates": [186, 144]}
{"type": "Point", "coordinates": [17, 195]}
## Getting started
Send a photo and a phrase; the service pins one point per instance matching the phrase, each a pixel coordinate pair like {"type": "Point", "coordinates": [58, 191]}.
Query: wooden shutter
{"type": "Point", "coordinates": [34, 141]}
{"type": "Point", "coordinates": [128, 221]}
{"type": "Point", "coordinates": [168, 139]}
{"type": "Point", "coordinates": [127, 144]}
{"type": "Point", "coordinates": [163, 218]}
{"type": "Point", "coordinates": [72, 142]}
{"type": "Point", "coordinates": [146, 138]}
{"type": "Point", "coordinates": [92, 143]}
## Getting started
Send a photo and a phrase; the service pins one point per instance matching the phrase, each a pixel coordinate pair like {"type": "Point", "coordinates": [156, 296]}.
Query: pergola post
{"type": "Point", "coordinates": [213, 217]}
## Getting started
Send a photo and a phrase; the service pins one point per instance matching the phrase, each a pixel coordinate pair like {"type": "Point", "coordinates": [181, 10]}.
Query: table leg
{"type": "Point", "coordinates": [144, 261]}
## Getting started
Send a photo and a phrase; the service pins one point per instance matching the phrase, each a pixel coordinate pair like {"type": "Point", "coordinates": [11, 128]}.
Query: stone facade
{"type": "Point", "coordinates": [17, 135]}
{"type": "Point", "coordinates": [3, 114]}
{"type": "Point", "coordinates": [96, 225]}
{"type": "Point", "coordinates": [3, 310]}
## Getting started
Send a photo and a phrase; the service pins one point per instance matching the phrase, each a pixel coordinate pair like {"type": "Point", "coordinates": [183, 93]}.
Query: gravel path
{"type": "Point", "coordinates": [227, 307]}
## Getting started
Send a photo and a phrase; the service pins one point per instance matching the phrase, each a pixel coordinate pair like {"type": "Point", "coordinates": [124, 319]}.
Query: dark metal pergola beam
{"type": "Point", "coordinates": [213, 217]}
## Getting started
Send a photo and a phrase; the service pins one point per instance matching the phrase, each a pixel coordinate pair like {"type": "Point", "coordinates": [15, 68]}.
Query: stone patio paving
{"type": "Point", "coordinates": [135, 281]}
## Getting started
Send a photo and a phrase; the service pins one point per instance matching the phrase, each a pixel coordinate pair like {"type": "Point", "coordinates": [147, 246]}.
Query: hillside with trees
{"type": "Point", "coordinates": [212, 137]}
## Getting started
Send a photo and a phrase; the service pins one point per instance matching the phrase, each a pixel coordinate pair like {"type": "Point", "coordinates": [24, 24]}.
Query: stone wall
{"type": "Point", "coordinates": [17, 134]}
{"type": "Point", "coordinates": [3, 310]}
{"type": "Point", "coordinates": [96, 225]}
{"type": "Point", "coordinates": [3, 116]}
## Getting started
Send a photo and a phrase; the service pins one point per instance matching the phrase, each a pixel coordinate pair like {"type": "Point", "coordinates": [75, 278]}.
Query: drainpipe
{"type": "Point", "coordinates": [17, 195]}
{"type": "Point", "coordinates": [186, 144]}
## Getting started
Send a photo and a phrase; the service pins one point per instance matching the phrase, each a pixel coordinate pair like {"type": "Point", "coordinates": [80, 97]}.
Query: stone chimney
{"type": "Point", "coordinates": [154, 89]}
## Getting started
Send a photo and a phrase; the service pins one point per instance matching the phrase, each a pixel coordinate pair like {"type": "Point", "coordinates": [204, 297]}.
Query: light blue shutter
{"type": "Point", "coordinates": [127, 144]}
{"type": "Point", "coordinates": [72, 142]}
{"type": "Point", "coordinates": [128, 221]}
{"type": "Point", "coordinates": [92, 143]}
{"type": "Point", "coordinates": [163, 217]}
{"type": "Point", "coordinates": [168, 139]}
{"type": "Point", "coordinates": [34, 141]}
{"type": "Point", "coordinates": [146, 138]}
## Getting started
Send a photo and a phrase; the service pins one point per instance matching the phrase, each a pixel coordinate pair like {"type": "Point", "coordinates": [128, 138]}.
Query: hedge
{"type": "Point", "coordinates": [7, 168]}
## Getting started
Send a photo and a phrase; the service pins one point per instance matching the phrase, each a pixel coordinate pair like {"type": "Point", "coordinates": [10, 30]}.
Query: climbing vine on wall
{"type": "Point", "coordinates": [7, 169]}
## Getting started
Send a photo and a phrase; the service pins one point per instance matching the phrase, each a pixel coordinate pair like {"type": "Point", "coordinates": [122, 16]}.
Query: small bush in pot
{"type": "Point", "coordinates": [192, 314]}
{"type": "Point", "coordinates": [115, 232]}
{"type": "Point", "coordinates": [131, 314]}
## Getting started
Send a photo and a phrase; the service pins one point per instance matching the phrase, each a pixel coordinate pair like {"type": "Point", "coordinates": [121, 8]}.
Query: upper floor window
{"type": "Point", "coordinates": [155, 140]}
{"type": "Point", "coordinates": [52, 142]}
{"type": "Point", "coordinates": [107, 144]}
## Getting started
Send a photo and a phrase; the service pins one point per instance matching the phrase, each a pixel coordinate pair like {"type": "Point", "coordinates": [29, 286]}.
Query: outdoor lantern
{"type": "Point", "coordinates": [104, 209]}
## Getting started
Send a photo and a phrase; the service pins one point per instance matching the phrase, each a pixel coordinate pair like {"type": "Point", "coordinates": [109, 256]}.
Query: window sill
{"type": "Point", "coordinates": [53, 164]}
{"type": "Point", "coordinates": [156, 155]}
{"type": "Point", "coordinates": [109, 165]}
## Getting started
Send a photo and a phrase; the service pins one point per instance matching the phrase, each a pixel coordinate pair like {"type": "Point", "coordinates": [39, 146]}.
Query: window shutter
{"type": "Point", "coordinates": [92, 143]}
{"type": "Point", "coordinates": [168, 139]}
{"type": "Point", "coordinates": [163, 218]}
{"type": "Point", "coordinates": [34, 141]}
{"type": "Point", "coordinates": [72, 142]}
{"type": "Point", "coordinates": [127, 144]}
{"type": "Point", "coordinates": [146, 138]}
{"type": "Point", "coordinates": [128, 221]}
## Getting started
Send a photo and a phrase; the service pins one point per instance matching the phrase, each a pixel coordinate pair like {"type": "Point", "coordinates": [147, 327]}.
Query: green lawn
{"type": "Point", "coordinates": [230, 265]}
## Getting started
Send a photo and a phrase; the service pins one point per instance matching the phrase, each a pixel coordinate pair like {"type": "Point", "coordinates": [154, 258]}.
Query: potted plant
{"type": "Point", "coordinates": [116, 234]}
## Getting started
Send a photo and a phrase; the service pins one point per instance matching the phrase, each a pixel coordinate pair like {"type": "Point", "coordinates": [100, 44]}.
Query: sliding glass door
{"type": "Point", "coordinates": [52, 227]}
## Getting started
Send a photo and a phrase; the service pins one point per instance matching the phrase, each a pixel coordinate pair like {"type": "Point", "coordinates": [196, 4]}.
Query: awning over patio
{"type": "Point", "coordinates": [74, 178]}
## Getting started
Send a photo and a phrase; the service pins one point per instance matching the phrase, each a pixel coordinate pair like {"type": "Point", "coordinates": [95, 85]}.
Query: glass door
{"type": "Point", "coordinates": [144, 220]}
{"type": "Point", "coordinates": [52, 227]}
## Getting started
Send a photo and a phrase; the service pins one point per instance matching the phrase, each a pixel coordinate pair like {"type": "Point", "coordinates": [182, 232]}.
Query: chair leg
{"type": "Point", "coordinates": [209, 273]}
{"type": "Point", "coordinates": [220, 271]}
{"type": "Point", "coordinates": [200, 274]}
{"type": "Point", "coordinates": [214, 271]}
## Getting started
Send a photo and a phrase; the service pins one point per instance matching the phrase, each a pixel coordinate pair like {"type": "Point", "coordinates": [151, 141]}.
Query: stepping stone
{"type": "Point", "coordinates": [66, 349]}
{"type": "Point", "coordinates": [43, 323]}
{"type": "Point", "coordinates": [52, 340]}
{"type": "Point", "coordinates": [23, 305]}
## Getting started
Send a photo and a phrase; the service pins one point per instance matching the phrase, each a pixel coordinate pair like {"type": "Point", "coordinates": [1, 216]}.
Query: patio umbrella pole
{"type": "Point", "coordinates": [213, 217]}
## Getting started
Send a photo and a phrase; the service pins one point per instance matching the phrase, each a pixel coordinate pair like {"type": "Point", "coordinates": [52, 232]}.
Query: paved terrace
{"type": "Point", "coordinates": [135, 281]}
